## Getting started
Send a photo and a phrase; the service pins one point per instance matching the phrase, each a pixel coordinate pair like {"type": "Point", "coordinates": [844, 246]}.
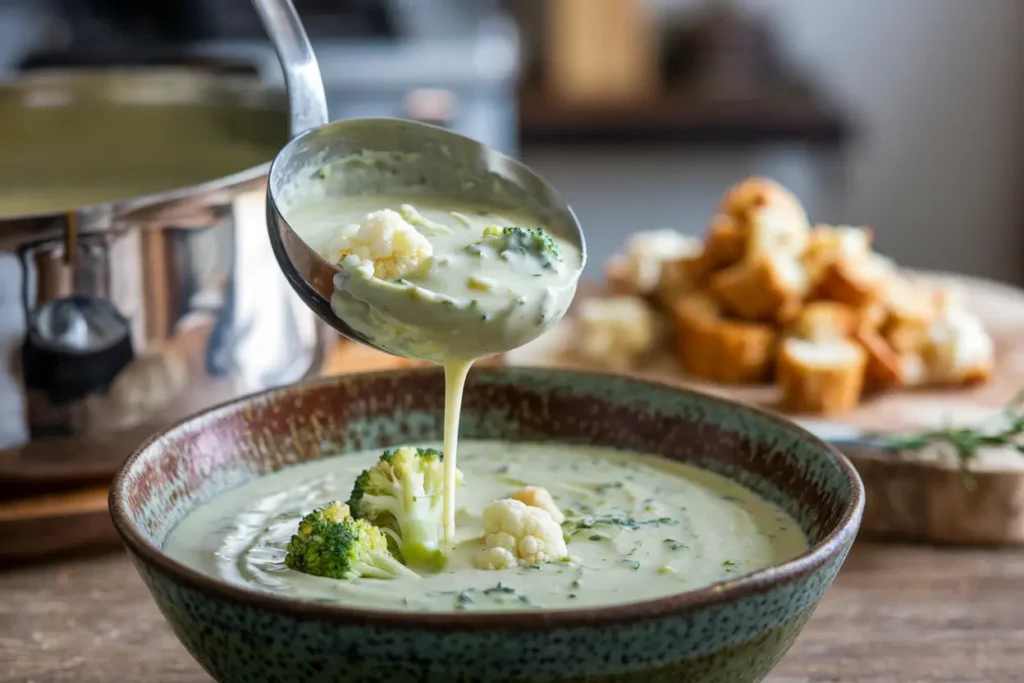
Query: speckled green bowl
{"type": "Point", "coordinates": [733, 631]}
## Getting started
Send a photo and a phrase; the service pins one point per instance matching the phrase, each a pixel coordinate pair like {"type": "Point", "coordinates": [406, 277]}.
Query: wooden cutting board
{"type": "Point", "coordinates": [924, 497]}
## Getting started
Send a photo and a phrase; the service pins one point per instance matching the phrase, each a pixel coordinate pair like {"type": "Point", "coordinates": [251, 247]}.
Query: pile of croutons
{"type": "Point", "coordinates": [765, 297]}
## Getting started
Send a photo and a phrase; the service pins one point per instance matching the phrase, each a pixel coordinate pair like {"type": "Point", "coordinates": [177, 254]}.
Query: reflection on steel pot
{"type": "Point", "coordinates": [137, 283]}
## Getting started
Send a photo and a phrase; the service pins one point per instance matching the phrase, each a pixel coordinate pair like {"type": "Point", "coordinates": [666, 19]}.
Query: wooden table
{"type": "Point", "coordinates": [897, 613]}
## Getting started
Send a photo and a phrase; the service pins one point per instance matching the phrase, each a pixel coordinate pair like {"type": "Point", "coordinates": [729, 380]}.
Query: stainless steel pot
{"type": "Point", "coordinates": [137, 285]}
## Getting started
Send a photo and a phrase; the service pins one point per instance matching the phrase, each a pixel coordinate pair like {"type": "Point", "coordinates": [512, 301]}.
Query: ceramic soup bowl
{"type": "Point", "coordinates": [732, 631]}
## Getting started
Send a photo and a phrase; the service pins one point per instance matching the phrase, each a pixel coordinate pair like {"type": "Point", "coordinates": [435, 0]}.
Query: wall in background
{"type": "Point", "coordinates": [936, 90]}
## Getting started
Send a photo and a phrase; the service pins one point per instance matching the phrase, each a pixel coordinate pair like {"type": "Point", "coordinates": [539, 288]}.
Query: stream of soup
{"type": "Point", "coordinates": [640, 527]}
{"type": "Point", "coordinates": [468, 300]}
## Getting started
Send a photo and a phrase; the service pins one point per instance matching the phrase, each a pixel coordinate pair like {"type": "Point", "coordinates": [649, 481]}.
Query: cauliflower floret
{"type": "Point", "coordinates": [517, 531]}
{"type": "Point", "coordinates": [539, 497]}
{"type": "Point", "coordinates": [496, 558]}
{"type": "Point", "coordinates": [616, 331]}
{"type": "Point", "coordinates": [639, 269]}
{"type": "Point", "coordinates": [384, 246]}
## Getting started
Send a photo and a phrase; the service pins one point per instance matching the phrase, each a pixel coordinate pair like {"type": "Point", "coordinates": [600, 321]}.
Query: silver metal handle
{"type": "Point", "coordinates": [306, 98]}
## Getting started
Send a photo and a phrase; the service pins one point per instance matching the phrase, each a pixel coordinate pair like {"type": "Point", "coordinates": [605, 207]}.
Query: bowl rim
{"type": "Point", "coordinates": [754, 583]}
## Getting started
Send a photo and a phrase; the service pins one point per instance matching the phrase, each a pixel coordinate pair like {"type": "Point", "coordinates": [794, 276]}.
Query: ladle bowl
{"type": "Point", "coordinates": [376, 156]}
{"type": "Point", "coordinates": [383, 156]}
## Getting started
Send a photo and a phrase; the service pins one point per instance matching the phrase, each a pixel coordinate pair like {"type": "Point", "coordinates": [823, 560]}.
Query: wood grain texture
{"type": "Point", "coordinates": [896, 614]}
{"type": "Point", "coordinates": [925, 497]}
{"type": "Point", "coordinates": [56, 524]}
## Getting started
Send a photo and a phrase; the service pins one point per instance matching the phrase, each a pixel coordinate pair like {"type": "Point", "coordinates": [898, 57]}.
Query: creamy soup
{"type": "Point", "coordinates": [468, 300]}
{"type": "Point", "coordinates": [441, 281]}
{"type": "Point", "coordinates": [639, 527]}
{"type": "Point", "coordinates": [57, 158]}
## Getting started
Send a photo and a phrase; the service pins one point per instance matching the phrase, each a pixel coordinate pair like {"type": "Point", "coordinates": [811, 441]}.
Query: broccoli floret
{"type": "Point", "coordinates": [331, 543]}
{"type": "Point", "coordinates": [535, 242]}
{"type": "Point", "coordinates": [403, 495]}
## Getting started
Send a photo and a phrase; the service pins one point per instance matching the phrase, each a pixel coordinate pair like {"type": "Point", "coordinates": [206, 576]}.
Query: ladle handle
{"type": "Point", "coordinates": [306, 98]}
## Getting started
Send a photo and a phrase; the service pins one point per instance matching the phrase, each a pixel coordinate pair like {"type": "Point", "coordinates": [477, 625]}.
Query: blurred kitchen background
{"type": "Point", "coordinates": [904, 115]}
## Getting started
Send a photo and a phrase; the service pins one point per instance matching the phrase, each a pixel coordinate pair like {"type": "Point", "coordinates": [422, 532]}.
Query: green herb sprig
{"type": "Point", "coordinates": [967, 442]}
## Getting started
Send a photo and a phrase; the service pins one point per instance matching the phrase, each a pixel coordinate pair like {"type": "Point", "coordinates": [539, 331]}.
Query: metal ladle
{"type": "Point", "coordinates": [376, 156]}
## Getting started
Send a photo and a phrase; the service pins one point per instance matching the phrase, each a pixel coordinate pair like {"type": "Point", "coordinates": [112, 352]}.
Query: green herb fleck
{"type": "Point", "coordinates": [612, 520]}
{"type": "Point", "coordinates": [675, 545]}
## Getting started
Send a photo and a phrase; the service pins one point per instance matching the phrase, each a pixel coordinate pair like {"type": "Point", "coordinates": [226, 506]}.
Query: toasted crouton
{"type": "Point", "coordinates": [776, 231]}
{"type": "Point", "coordinates": [959, 350]}
{"type": "Point", "coordinates": [754, 194]}
{"type": "Point", "coordinates": [825, 321]}
{"type": "Point", "coordinates": [682, 276]}
{"type": "Point", "coordinates": [771, 218]}
{"type": "Point", "coordinates": [913, 371]}
{"type": "Point", "coordinates": [828, 244]}
{"type": "Point", "coordinates": [638, 271]}
{"type": "Point", "coordinates": [616, 274]}
{"type": "Point", "coordinates": [906, 336]}
{"type": "Point", "coordinates": [757, 289]}
{"type": "Point", "coordinates": [788, 312]}
{"type": "Point", "coordinates": [855, 283]}
{"type": "Point", "coordinates": [909, 302]}
{"type": "Point", "coordinates": [751, 193]}
{"type": "Point", "coordinates": [820, 377]}
{"type": "Point", "coordinates": [884, 366]}
{"type": "Point", "coordinates": [714, 348]}
{"type": "Point", "coordinates": [725, 243]}
{"type": "Point", "coordinates": [616, 331]}
{"type": "Point", "coordinates": [872, 316]}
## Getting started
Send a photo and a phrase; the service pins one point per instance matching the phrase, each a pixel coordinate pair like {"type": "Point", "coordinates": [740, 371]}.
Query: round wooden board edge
{"type": "Point", "coordinates": [926, 501]}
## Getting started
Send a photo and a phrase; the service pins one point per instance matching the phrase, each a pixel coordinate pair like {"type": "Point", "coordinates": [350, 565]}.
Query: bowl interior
{"type": "Point", "coordinates": [192, 463]}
